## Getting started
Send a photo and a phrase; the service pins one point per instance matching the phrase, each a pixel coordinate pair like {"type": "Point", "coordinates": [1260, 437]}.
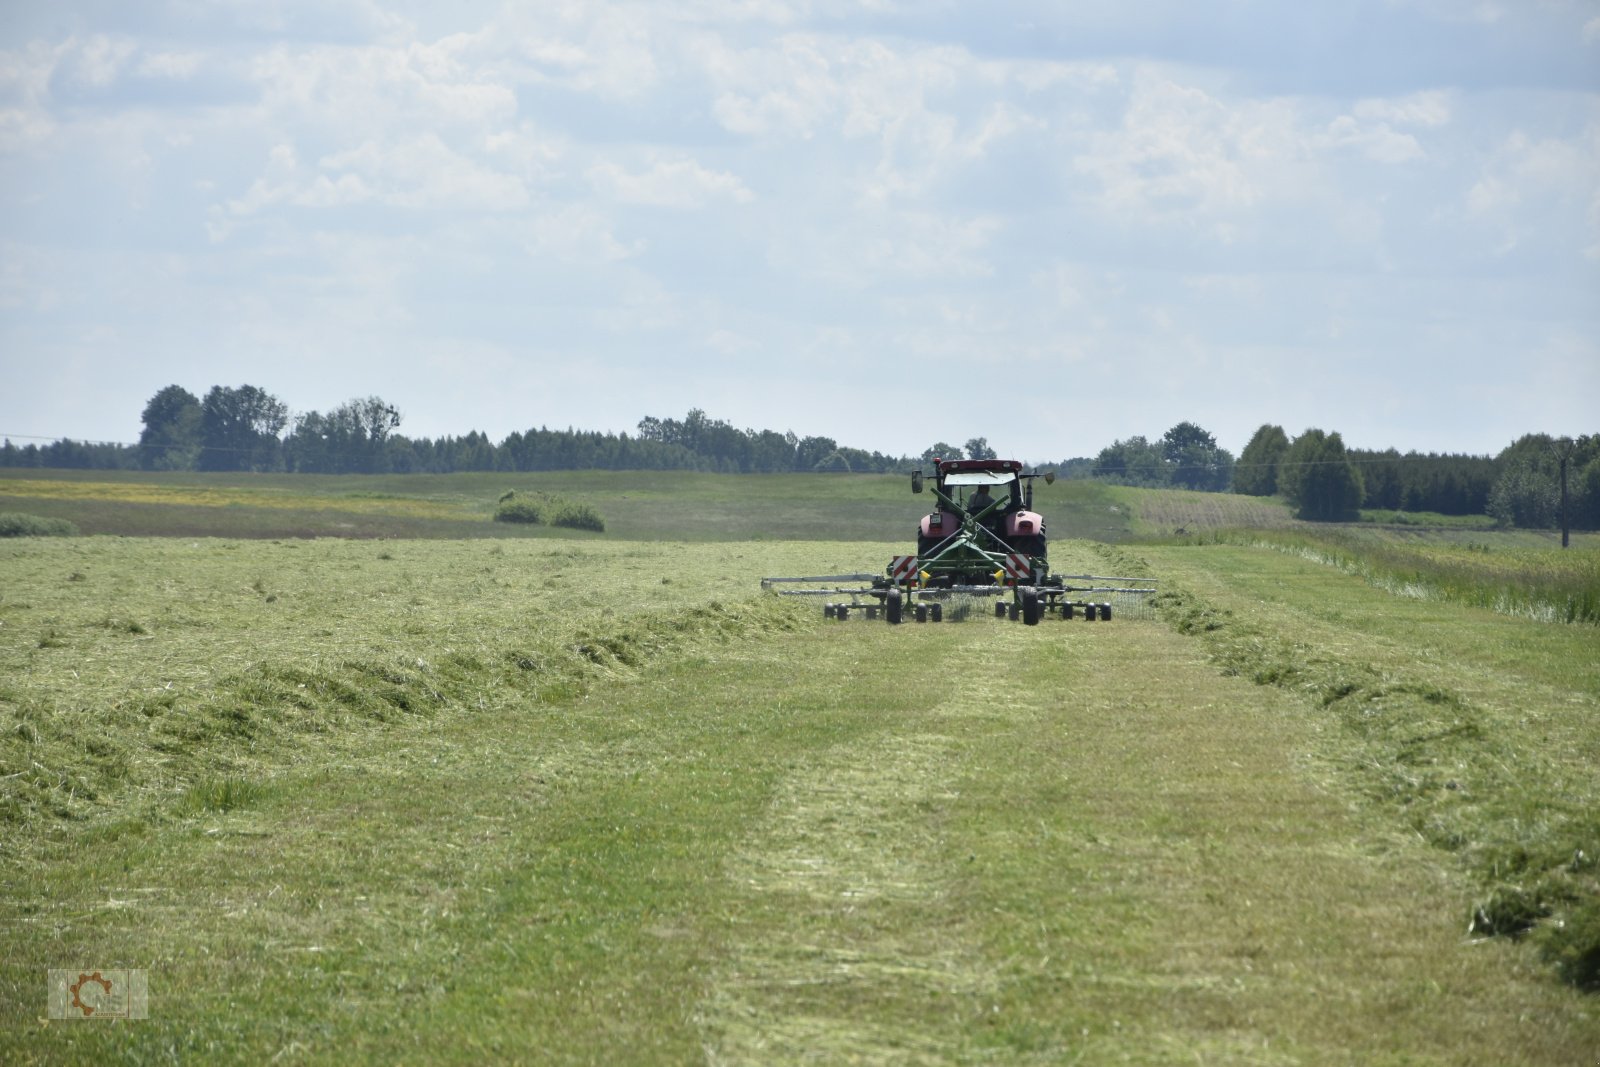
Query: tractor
{"type": "Point", "coordinates": [981, 541]}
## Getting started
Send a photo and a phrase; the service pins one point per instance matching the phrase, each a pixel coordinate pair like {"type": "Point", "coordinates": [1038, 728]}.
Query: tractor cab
{"type": "Point", "coordinates": [983, 518]}
{"type": "Point", "coordinates": [978, 490]}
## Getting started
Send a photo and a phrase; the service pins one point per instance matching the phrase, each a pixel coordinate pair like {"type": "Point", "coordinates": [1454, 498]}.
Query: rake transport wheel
{"type": "Point", "coordinates": [922, 613]}
{"type": "Point", "coordinates": [999, 609]}
{"type": "Point", "coordinates": [893, 605]}
{"type": "Point", "coordinates": [1030, 607]}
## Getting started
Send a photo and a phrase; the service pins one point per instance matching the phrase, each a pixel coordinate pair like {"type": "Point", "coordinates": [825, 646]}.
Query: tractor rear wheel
{"type": "Point", "coordinates": [893, 605]}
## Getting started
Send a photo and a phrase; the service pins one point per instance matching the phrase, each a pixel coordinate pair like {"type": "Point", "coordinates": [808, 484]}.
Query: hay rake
{"type": "Point", "coordinates": [983, 544]}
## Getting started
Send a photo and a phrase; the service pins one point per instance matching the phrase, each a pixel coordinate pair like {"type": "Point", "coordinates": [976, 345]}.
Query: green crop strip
{"type": "Point", "coordinates": [1516, 806]}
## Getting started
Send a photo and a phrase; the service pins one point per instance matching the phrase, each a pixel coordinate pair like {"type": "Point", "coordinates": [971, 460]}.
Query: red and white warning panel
{"type": "Point", "coordinates": [902, 568]}
{"type": "Point", "coordinates": [1018, 567]}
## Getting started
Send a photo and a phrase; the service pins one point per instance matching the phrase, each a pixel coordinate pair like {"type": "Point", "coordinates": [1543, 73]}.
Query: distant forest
{"type": "Point", "coordinates": [248, 429]}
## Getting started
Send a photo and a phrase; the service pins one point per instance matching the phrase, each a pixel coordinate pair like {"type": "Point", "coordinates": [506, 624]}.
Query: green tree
{"type": "Point", "coordinates": [811, 451]}
{"type": "Point", "coordinates": [171, 435]}
{"type": "Point", "coordinates": [1316, 475]}
{"type": "Point", "coordinates": [1257, 471]}
{"type": "Point", "coordinates": [978, 448]}
{"type": "Point", "coordinates": [239, 429]}
{"type": "Point", "coordinates": [941, 450]}
{"type": "Point", "coordinates": [351, 439]}
{"type": "Point", "coordinates": [1134, 461]}
{"type": "Point", "coordinates": [1194, 460]}
{"type": "Point", "coordinates": [1526, 495]}
{"type": "Point", "coordinates": [1584, 486]}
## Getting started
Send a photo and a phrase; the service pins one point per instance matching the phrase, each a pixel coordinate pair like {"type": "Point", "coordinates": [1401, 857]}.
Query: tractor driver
{"type": "Point", "coordinates": [979, 500]}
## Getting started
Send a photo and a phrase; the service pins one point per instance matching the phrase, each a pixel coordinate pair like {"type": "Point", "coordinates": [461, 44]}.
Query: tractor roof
{"type": "Point", "coordinates": [949, 466]}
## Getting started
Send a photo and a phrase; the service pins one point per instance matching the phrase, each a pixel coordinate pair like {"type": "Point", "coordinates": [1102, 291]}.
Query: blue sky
{"type": "Point", "coordinates": [1048, 224]}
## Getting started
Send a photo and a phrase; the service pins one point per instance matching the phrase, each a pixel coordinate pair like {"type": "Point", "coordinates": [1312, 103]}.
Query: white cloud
{"type": "Point", "coordinates": [576, 234]}
{"type": "Point", "coordinates": [675, 183]}
{"type": "Point", "coordinates": [424, 172]}
{"type": "Point", "coordinates": [784, 91]}
{"type": "Point", "coordinates": [177, 66]}
{"type": "Point", "coordinates": [1427, 109]}
{"type": "Point", "coordinates": [1379, 142]}
{"type": "Point", "coordinates": [99, 60]}
{"type": "Point", "coordinates": [1527, 175]}
{"type": "Point", "coordinates": [1183, 154]}
{"type": "Point", "coordinates": [357, 89]}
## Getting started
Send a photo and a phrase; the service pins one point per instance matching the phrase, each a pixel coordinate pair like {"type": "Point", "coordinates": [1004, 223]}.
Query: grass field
{"type": "Point", "coordinates": [593, 800]}
{"type": "Point", "coordinates": [637, 505]}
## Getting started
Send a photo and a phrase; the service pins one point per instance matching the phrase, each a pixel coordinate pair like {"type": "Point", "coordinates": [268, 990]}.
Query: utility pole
{"type": "Point", "coordinates": [1562, 447]}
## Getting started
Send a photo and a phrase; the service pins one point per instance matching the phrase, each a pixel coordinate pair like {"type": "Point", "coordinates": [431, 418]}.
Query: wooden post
{"type": "Point", "coordinates": [1563, 450]}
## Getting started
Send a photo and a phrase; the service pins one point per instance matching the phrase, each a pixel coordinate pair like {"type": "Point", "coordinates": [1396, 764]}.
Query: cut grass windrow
{"type": "Point", "coordinates": [197, 751]}
{"type": "Point", "coordinates": [1518, 807]}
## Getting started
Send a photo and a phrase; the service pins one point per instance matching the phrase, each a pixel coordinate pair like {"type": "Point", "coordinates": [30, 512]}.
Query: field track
{"type": "Point", "coordinates": [810, 842]}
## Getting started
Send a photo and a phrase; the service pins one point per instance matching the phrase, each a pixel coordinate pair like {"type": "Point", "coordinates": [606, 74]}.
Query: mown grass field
{"type": "Point", "coordinates": [594, 800]}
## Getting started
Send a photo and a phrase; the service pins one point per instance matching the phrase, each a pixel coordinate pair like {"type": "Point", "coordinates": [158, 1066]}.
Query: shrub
{"type": "Point", "coordinates": [578, 517]}
{"type": "Point", "coordinates": [515, 510]}
{"type": "Point", "coordinates": [16, 524]}
{"type": "Point", "coordinates": [545, 507]}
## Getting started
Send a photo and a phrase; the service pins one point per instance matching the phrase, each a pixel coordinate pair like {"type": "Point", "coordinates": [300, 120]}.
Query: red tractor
{"type": "Point", "coordinates": [982, 540]}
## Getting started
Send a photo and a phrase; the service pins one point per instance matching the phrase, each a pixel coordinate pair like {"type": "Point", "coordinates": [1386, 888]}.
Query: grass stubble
{"type": "Point", "coordinates": [541, 799]}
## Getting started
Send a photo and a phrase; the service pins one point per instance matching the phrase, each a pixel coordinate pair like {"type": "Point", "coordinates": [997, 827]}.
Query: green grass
{"type": "Point", "coordinates": [1431, 520]}
{"type": "Point", "coordinates": [1478, 729]}
{"type": "Point", "coordinates": [587, 798]}
{"type": "Point", "coordinates": [593, 801]}
{"type": "Point", "coordinates": [1521, 573]}
{"type": "Point", "coordinates": [1159, 513]}
{"type": "Point", "coordinates": [636, 505]}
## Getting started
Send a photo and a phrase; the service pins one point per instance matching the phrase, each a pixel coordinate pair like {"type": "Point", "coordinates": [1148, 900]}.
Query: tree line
{"type": "Point", "coordinates": [246, 428]}
{"type": "Point", "coordinates": [1521, 486]}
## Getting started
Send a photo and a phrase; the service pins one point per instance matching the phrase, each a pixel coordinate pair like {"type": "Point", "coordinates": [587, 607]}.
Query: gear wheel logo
{"type": "Point", "coordinates": [98, 993]}
{"type": "Point", "coordinates": [77, 989]}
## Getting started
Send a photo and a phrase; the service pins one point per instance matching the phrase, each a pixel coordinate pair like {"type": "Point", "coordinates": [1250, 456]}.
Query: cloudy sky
{"type": "Point", "coordinates": [1048, 223]}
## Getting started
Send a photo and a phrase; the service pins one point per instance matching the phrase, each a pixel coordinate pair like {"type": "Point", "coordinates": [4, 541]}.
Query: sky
{"type": "Point", "coordinates": [1051, 224]}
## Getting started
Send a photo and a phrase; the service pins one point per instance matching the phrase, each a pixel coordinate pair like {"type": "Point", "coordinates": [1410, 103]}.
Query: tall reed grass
{"type": "Point", "coordinates": [1546, 584]}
